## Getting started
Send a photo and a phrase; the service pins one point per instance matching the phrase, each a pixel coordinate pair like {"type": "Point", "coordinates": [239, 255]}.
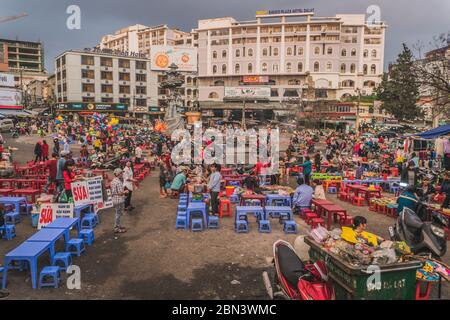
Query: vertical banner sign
{"type": "Point", "coordinates": [80, 193]}
{"type": "Point", "coordinates": [95, 191]}
{"type": "Point", "coordinates": [51, 211]}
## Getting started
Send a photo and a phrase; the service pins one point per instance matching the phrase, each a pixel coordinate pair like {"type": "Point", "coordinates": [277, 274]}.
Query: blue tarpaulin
{"type": "Point", "coordinates": [433, 133]}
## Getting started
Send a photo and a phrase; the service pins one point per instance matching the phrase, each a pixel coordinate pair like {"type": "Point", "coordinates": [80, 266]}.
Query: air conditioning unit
{"type": "Point", "coordinates": [88, 94]}
{"type": "Point", "coordinates": [107, 94]}
{"type": "Point", "coordinates": [106, 81]}
{"type": "Point", "coordinates": [124, 82]}
{"type": "Point", "coordinates": [87, 67]}
{"type": "Point", "coordinates": [124, 70]}
{"type": "Point", "coordinates": [106, 68]}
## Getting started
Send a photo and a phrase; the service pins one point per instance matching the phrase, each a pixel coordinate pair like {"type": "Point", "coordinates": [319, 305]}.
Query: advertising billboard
{"type": "Point", "coordinates": [94, 107]}
{"type": "Point", "coordinates": [163, 56]}
{"type": "Point", "coordinates": [255, 79]}
{"type": "Point", "coordinates": [10, 97]}
{"type": "Point", "coordinates": [6, 80]}
{"type": "Point", "coordinates": [247, 92]}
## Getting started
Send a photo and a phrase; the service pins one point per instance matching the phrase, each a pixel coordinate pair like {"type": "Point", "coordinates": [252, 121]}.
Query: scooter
{"type": "Point", "coordinates": [422, 237]}
{"type": "Point", "coordinates": [295, 280]}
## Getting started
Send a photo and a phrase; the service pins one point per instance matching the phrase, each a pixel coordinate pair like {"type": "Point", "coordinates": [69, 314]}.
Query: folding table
{"type": "Point", "coordinates": [65, 223]}
{"type": "Point", "coordinates": [16, 201]}
{"type": "Point", "coordinates": [49, 235]}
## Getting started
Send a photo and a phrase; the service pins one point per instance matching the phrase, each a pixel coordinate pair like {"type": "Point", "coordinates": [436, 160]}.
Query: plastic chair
{"type": "Point", "coordinates": [359, 201]}
{"type": "Point", "coordinates": [225, 208]}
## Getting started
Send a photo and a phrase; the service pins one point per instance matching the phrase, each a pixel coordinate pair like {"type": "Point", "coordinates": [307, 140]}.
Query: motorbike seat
{"type": "Point", "coordinates": [291, 267]}
{"type": "Point", "coordinates": [412, 220]}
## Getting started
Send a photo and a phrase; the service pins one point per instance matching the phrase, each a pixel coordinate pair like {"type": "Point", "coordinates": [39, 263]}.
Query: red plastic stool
{"type": "Point", "coordinates": [315, 222]}
{"type": "Point", "coordinates": [343, 222]}
{"type": "Point", "coordinates": [303, 212]}
{"type": "Point", "coordinates": [359, 201]}
{"type": "Point", "coordinates": [373, 206]}
{"type": "Point", "coordinates": [343, 196]}
{"type": "Point", "coordinates": [225, 208]}
{"type": "Point", "coordinates": [426, 294]}
{"type": "Point", "coordinates": [309, 216]}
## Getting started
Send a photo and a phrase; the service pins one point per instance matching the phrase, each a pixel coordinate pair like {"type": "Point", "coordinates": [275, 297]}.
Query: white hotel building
{"type": "Point", "coordinates": [336, 56]}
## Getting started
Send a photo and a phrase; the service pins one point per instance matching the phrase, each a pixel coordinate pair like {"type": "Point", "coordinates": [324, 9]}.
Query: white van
{"type": "Point", "coordinates": [6, 125]}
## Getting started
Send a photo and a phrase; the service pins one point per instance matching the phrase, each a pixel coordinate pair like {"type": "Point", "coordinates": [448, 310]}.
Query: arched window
{"type": "Point", "coordinates": [289, 67]}
{"type": "Point", "coordinates": [214, 54]}
{"type": "Point", "coordinates": [289, 51]}
{"type": "Point", "coordinates": [352, 68]}
{"type": "Point", "coordinates": [330, 50]}
{"type": "Point", "coordinates": [237, 68]}
{"type": "Point", "coordinates": [224, 69]}
{"type": "Point", "coordinates": [250, 52]}
{"type": "Point", "coordinates": [365, 69]}
{"type": "Point", "coordinates": [213, 95]}
{"type": "Point", "coordinates": [369, 84]}
{"type": "Point", "coordinates": [264, 67]}
{"type": "Point", "coordinates": [275, 67]}
{"type": "Point", "coordinates": [348, 83]}
{"type": "Point", "coordinates": [250, 68]}
{"type": "Point", "coordinates": [300, 51]}
{"type": "Point", "coordinates": [329, 66]}
{"type": "Point", "coordinates": [316, 66]}
{"type": "Point", "coordinates": [344, 52]}
{"type": "Point", "coordinates": [300, 67]}
{"type": "Point", "coordinates": [275, 52]}
{"type": "Point", "coordinates": [224, 53]}
{"type": "Point", "coordinates": [238, 53]}
{"type": "Point", "coordinates": [264, 52]}
{"type": "Point", "coordinates": [189, 92]}
{"type": "Point", "coordinates": [188, 80]}
{"type": "Point", "coordinates": [374, 53]}
{"type": "Point", "coordinates": [316, 50]}
{"type": "Point", "coordinates": [343, 68]}
{"type": "Point", "coordinates": [214, 69]}
{"type": "Point", "coordinates": [366, 53]}
{"type": "Point", "coordinates": [373, 69]}
{"type": "Point", "coordinates": [353, 53]}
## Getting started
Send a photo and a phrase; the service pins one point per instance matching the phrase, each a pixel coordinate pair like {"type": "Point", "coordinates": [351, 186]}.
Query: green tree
{"type": "Point", "coordinates": [400, 92]}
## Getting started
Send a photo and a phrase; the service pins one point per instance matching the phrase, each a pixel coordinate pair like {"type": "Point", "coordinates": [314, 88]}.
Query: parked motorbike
{"type": "Point", "coordinates": [296, 280]}
{"type": "Point", "coordinates": [422, 237]}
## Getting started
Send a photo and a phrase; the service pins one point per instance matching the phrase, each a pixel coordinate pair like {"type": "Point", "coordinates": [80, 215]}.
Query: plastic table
{"type": "Point", "coordinates": [333, 210]}
{"type": "Point", "coordinates": [16, 201]}
{"type": "Point", "coordinates": [77, 210]}
{"type": "Point", "coordinates": [64, 223]}
{"type": "Point", "coordinates": [27, 251]}
{"type": "Point", "coordinates": [49, 235]}
{"type": "Point", "coordinates": [271, 198]}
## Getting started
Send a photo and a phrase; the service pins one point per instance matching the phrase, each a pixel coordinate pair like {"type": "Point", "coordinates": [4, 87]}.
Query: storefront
{"type": "Point", "coordinates": [81, 110]}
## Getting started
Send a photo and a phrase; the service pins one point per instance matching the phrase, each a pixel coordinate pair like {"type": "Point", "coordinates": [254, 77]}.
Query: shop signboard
{"type": "Point", "coordinates": [51, 211]}
{"type": "Point", "coordinates": [10, 97]}
{"type": "Point", "coordinates": [247, 92]}
{"type": "Point", "coordinates": [6, 80]}
{"type": "Point", "coordinates": [94, 107]}
{"type": "Point", "coordinates": [255, 79]}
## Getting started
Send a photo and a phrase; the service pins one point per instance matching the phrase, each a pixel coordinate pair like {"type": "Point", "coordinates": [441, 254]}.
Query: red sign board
{"type": "Point", "coordinates": [255, 79]}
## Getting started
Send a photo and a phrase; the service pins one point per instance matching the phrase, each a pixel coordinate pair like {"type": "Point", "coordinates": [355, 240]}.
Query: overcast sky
{"type": "Point", "coordinates": [409, 20]}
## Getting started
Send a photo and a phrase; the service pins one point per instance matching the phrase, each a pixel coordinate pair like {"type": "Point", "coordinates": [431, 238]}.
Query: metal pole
{"type": "Point", "coordinates": [243, 113]}
{"type": "Point", "coordinates": [357, 112]}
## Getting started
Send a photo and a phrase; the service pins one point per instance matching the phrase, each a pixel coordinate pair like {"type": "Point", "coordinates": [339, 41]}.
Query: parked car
{"type": "Point", "coordinates": [6, 125]}
{"type": "Point", "coordinates": [387, 134]}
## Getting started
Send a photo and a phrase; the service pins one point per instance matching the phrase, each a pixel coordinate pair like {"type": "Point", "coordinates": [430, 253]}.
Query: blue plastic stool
{"type": "Point", "coordinates": [234, 198]}
{"type": "Point", "coordinates": [12, 218]}
{"type": "Point", "coordinates": [87, 235]}
{"type": "Point", "coordinates": [332, 189]}
{"type": "Point", "coordinates": [213, 222]}
{"type": "Point", "coordinates": [64, 257]}
{"type": "Point", "coordinates": [28, 207]}
{"type": "Point", "coordinates": [197, 225]}
{"type": "Point", "coordinates": [290, 226]}
{"type": "Point", "coordinates": [241, 226]}
{"type": "Point", "coordinates": [182, 208]}
{"type": "Point", "coordinates": [49, 272]}
{"type": "Point", "coordinates": [88, 221]}
{"type": "Point", "coordinates": [183, 204]}
{"type": "Point", "coordinates": [78, 244]}
{"type": "Point", "coordinates": [9, 231]}
{"type": "Point", "coordinates": [264, 226]}
{"type": "Point", "coordinates": [181, 222]}
{"type": "Point", "coordinates": [284, 216]}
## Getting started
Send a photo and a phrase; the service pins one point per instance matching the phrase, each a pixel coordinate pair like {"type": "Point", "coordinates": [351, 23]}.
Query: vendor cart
{"type": "Point", "coordinates": [397, 281]}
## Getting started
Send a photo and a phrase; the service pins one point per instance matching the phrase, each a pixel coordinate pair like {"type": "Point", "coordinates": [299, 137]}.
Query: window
{"type": "Point", "coordinates": [275, 52]}
{"type": "Point", "coordinates": [107, 100]}
{"type": "Point", "coordinates": [214, 54]}
{"type": "Point", "coordinates": [289, 51]}
{"type": "Point", "coordinates": [141, 102]}
{"type": "Point", "coordinates": [348, 83]}
{"type": "Point", "coordinates": [86, 87]}
{"type": "Point", "coordinates": [329, 66]}
{"type": "Point", "coordinates": [141, 90]}
{"type": "Point", "coordinates": [237, 68]}
{"type": "Point", "coordinates": [224, 53]}
{"type": "Point", "coordinates": [123, 63]}
{"type": "Point", "coordinates": [374, 53]}
{"type": "Point", "coordinates": [290, 93]}
{"type": "Point", "coordinates": [224, 69]}
{"type": "Point", "coordinates": [107, 88]}
{"type": "Point", "coordinates": [300, 67]}
{"type": "Point", "coordinates": [250, 52]}
{"type": "Point", "coordinates": [213, 95]}
{"type": "Point", "coordinates": [344, 53]}
{"type": "Point", "coordinates": [330, 51]}
{"type": "Point", "coordinates": [264, 52]}
{"type": "Point", "coordinates": [124, 89]}
{"type": "Point", "coordinates": [300, 51]}
{"type": "Point", "coordinates": [250, 68]}
{"type": "Point", "coordinates": [352, 68]}
{"type": "Point", "coordinates": [316, 66]}
{"type": "Point", "coordinates": [366, 53]}
{"type": "Point", "coordinates": [88, 74]}
{"type": "Point", "coordinates": [238, 53]}
{"type": "Point", "coordinates": [353, 54]}
{"type": "Point", "coordinates": [106, 62]}
{"type": "Point", "coordinates": [289, 67]}
{"type": "Point", "coordinates": [264, 67]}
{"type": "Point", "coordinates": [373, 69]}
{"type": "Point", "coordinates": [124, 76]}
{"type": "Point", "coordinates": [275, 67]}
{"type": "Point", "coordinates": [214, 69]}
{"type": "Point", "coordinates": [88, 99]}
{"type": "Point", "coordinates": [87, 60]}
{"type": "Point", "coordinates": [369, 84]}
{"type": "Point", "coordinates": [365, 69]}
{"type": "Point", "coordinates": [219, 83]}
{"type": "Point", "coordinates": [316, 50]}
{"type": "Point", "coordinates": [274, 92]}
{"type": "Point", "coordinates": [124, 100]}
{"type": "Point", "coordinates": [106, 75]}
{"type": "Point", "coordinates": [141, 65]}
{"type": "Point", "coordinates": [294, 82]}
{"type": "Point", "coordinates": [141, 77]}
{"type": "Point", "coordinates": [343, 68]}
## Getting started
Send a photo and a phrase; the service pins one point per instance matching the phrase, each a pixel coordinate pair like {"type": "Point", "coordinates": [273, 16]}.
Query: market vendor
{"type": "Point", "coordinates": [179, 181]}
{"type": "Point", "coordinates": [408, 199]}
{"type": "Point", "coordinates": [356, 233]}
{"type": "Point", "coordinates": [426, 191]}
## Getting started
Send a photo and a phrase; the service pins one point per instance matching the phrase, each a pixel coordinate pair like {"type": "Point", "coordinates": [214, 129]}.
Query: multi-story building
{"type": "Point", "coordinates": [106, 82]}
{"type": "Point", "coordinates": [337, 56]}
